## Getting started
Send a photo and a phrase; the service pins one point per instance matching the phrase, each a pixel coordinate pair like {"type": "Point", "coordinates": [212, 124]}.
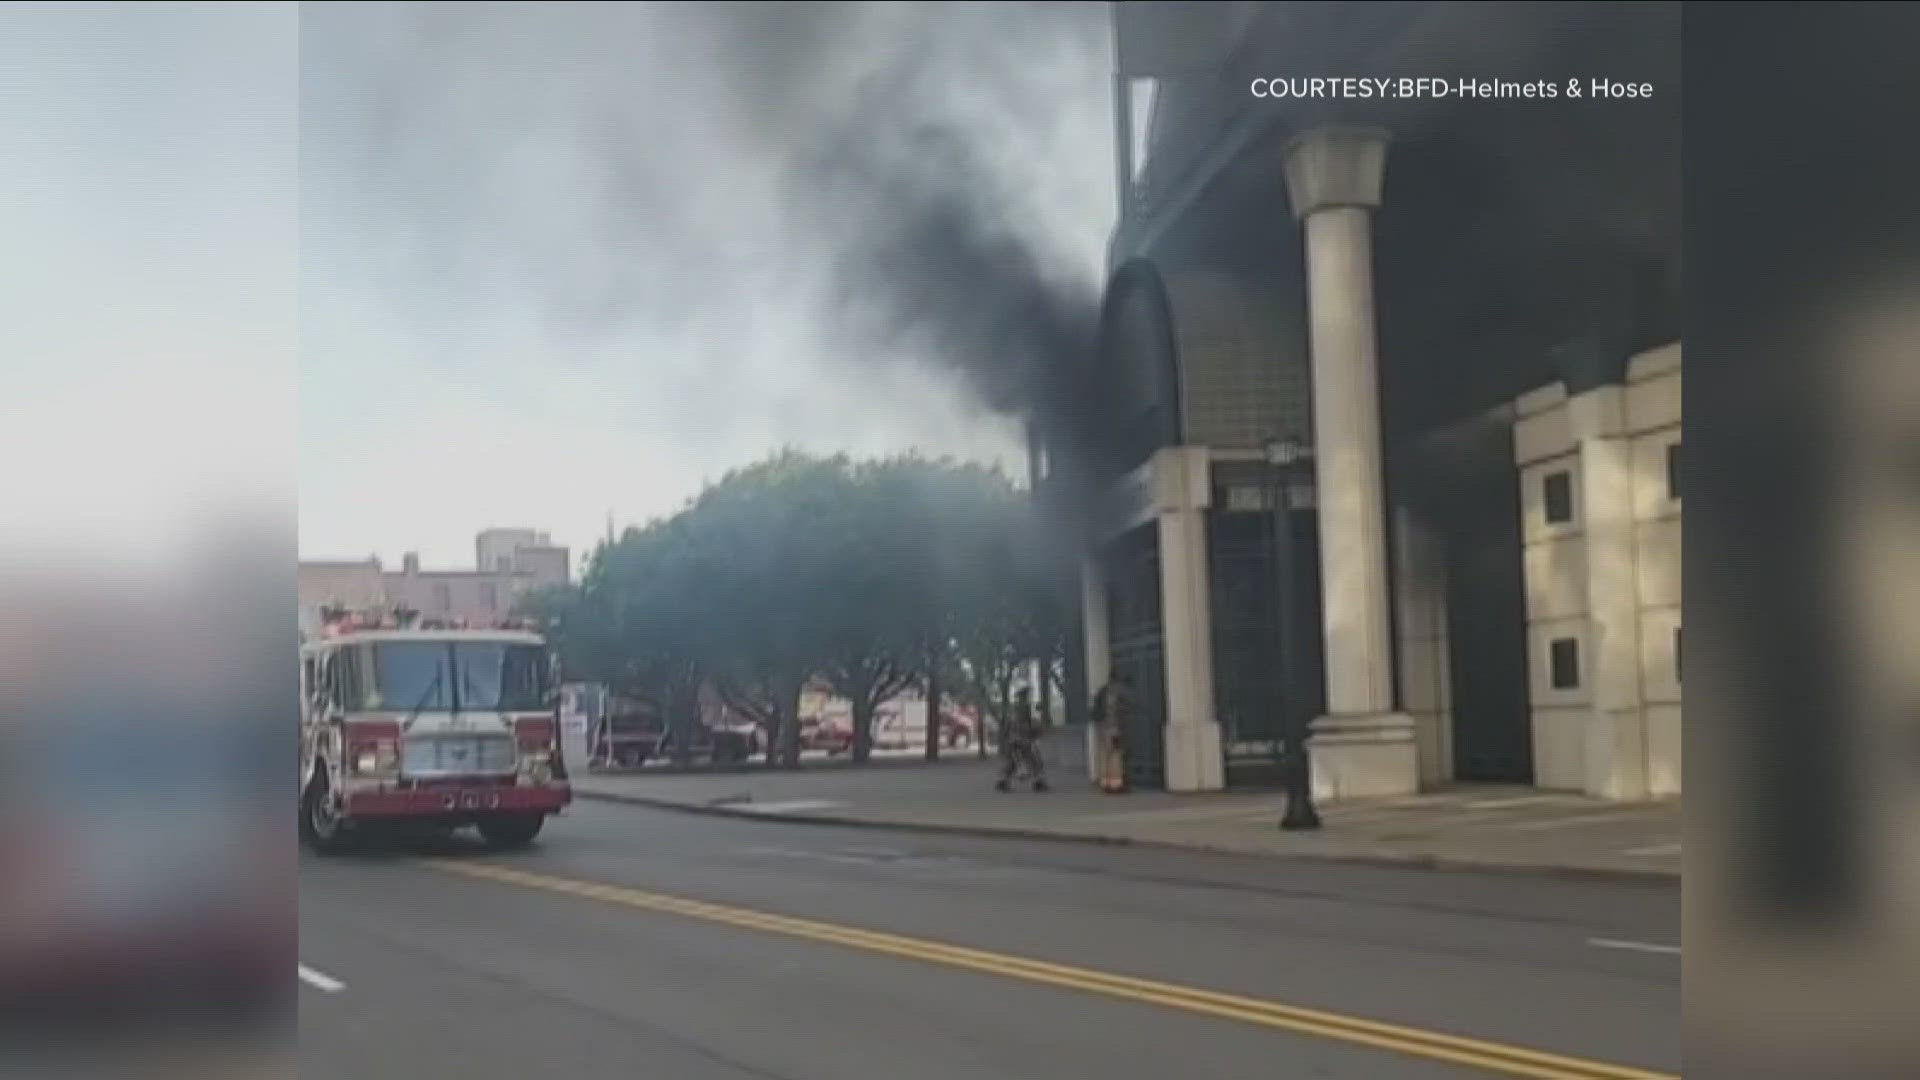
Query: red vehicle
{"type": "Point", "coordinates": [433, 727]}
{"type": "Point", "coordinates": [901, 725]}
{"type": "Point", "coordinates": [832, 734]}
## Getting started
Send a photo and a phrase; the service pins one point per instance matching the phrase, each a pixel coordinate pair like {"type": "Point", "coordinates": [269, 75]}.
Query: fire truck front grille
{"type": "Point", "coordinates": [463, 755]}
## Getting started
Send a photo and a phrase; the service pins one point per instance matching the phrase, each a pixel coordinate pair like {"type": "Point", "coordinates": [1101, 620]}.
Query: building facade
{"type": "Point", "coordinates": [1600, 475]}
{"type": "Point", "coordinates": [511, 563]}
{"type": "Point", "coordinates": [1459, 319]}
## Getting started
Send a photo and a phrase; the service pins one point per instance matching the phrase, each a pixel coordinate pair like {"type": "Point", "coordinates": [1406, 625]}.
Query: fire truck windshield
{"type": "Point", "coordinates": [440, 676]}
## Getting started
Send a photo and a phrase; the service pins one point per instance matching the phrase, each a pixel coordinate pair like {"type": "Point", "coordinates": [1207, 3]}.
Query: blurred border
{"type": "Point", "coordinates": [1801, 194]}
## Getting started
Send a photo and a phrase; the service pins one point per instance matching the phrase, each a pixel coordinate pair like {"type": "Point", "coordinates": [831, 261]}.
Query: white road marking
{"type": "Point", "coordinates": [320, 982]}
{"type": "Point", "coordinates": [791, 806]}
{"type": "Point", "coordinates": [878, 853]}
{"type": "Point", "coordinates": [1634, 946]}
{"type": "Point", "coordinates": [1657, 849]}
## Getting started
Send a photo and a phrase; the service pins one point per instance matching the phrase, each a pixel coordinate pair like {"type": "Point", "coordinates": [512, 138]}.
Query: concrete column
{"type": "Point", "coordinates": [1420, 578]}
{"type": "Point", "coordinates": [1615, 759]}
{"type": "Point", "coordinates": [1182, 491]}
{"type": "Point", "coordinates": [1093, 607]}
{"type": "Point", "coordinates": [1194, 761]}
{"type": "Point", "coordinates": [1362, 747]}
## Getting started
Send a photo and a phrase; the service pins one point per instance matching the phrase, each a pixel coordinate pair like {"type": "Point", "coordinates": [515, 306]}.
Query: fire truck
{"type": "Point", "coordinates": [427, 726]}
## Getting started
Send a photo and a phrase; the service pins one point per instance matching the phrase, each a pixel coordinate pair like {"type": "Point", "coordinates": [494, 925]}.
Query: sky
{"type": "Point", "coordinates": [561, 266]}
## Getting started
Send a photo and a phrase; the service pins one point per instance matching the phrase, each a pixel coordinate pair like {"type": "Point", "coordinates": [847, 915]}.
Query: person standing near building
{"type": "Point", "coordinates": [1113, 713]}
{"type": "Point", "coordinates": [1019, 745]}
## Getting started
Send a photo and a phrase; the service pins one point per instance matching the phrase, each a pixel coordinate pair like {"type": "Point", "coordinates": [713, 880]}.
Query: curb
{"type": "Point", "coordinates": [1606, 875]}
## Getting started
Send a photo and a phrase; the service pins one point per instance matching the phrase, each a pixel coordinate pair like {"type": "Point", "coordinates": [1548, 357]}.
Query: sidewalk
{"type": "Point", "coordinates": [1492, 827]}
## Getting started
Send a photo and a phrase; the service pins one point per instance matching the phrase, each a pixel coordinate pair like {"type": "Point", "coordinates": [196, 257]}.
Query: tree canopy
{"type": "Point", "coordinates": [868, 576]}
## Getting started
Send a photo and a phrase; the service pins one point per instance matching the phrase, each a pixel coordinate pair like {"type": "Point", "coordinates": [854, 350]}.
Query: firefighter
{"type": "Point", "coordinates": [1019, 745]}
{"type": "Point", "coordinates": [1113, 712]}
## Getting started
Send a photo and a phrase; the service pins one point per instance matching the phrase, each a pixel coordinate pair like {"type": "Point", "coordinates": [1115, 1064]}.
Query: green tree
{"type": "Point", "coordinates": [770, 542]}
{"type": "Point", "coordinates": [872, 608]}
{"type": "Point", "coordinates": [874, 577]}
{"type": "Point", "coordinates": [633, 624]}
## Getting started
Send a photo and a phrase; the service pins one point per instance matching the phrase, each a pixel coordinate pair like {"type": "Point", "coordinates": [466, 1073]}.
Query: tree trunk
{"type": "Point", "coordinates": [1005, 703]}
{"type": "Point", "coordinates": [788, 708]}
{"type": "Point", "coordinates": [933, 707]}
{"type": "Point", "coordinates": [684, 720]}
{"type": "Point", "coordinates": [690, 717]}
{"type": "Point", "coordinates": [862, 725]}
{"type": "Point", "coordinates": [776, 726]}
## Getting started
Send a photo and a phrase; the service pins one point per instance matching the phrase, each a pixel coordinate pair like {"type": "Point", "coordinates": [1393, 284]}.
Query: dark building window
{"type": "Point", "coordinates": [1565, 656]}
{"type": "Point", "coordinates": [1558, 488]}
{"type": "Point", "coordinates": [1676, 654]}
{"type": "Point", "coordinates": [490, 596]}
{"type": "Point", "coordinates": [443, 597]}
{"type": "Point", "coordinates": [1673, 470]}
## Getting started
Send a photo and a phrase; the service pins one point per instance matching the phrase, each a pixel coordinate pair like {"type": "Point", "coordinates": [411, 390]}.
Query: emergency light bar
{"type": "Point", "coordinates": [338, 620]}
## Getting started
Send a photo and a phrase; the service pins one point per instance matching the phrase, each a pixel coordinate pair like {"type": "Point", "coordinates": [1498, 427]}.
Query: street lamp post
{"type": "Point", "coordinates": [1283, 454]}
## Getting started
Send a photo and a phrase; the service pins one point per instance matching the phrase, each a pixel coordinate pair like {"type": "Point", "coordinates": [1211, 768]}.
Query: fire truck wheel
{"type": "Point", "coordinates": [321, 825]}
{"type": "Point", "coordinates": [511, 830]}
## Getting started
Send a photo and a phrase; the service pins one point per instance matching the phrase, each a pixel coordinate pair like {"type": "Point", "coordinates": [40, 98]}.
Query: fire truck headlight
{"type": "Point", "coordinates": [367, 761]}
{"type": "Point", "coordinates": [537, 763]}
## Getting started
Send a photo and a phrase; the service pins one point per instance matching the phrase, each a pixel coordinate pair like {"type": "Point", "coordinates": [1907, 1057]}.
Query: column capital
{"type": "Point", "coordinates": [1335, 166]}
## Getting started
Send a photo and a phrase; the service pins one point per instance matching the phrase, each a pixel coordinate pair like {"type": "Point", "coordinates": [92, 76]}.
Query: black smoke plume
{"type": "Point", "coordinates": [881, 181]}
{"type": "Point", "coordinates": [925, 247]}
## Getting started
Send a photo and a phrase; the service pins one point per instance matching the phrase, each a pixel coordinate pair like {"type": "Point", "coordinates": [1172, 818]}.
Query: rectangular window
{"type": "Point", "coordinates": [1565, 658]}
{"type": "Point", "coordinates": [490, 596]}
{"type": "Point", "coordinates": [330, 678]}
{"type": "Point", "coordinates": [1673, 471]}
{"type": "Point", "coordinates": [442, 597]}
{"type": "Point", "coordinates": [352, 686]}
{"type": "Point", "coordinates": [1558, 491]}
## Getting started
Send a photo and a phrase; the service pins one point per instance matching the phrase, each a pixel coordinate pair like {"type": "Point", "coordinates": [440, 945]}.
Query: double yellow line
{"type": "Point", "coordinates": [1493, 1057]}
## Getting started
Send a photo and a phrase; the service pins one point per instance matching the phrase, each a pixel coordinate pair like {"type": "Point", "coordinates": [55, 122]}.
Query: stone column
{"type": "Point", "coordinates": [1099, 658]}
{"type": "Point", "coordinates": [1362, 747]}
{"type": "Point", "coordinates": [1420, 580]}
{"type": "Point", "coordinates": [1193, 750]}
{"type": "Point", "coordinates": [1615, 760]}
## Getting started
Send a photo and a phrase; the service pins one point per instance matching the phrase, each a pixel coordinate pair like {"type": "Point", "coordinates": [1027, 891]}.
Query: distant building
{"type": "Point", "coordinates": [510, 562]}
{"type": "Point", "coordinates": [521, 550]}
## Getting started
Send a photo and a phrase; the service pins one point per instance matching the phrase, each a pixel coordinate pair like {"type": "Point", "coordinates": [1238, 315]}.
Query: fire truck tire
{"type": "Point", "coordinates": [321, 827]}
{"type": "Point", "coordinates": [511, 830]}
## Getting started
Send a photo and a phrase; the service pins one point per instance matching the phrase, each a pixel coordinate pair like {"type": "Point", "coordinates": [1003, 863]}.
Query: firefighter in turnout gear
{"type": "Point", "coordinates": [1113, 712]}
{"type": "Point", "coordinates": [1019, 745]}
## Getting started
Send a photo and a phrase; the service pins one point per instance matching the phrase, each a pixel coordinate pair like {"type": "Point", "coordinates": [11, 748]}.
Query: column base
{"type": "Point", "coordinates": [1194, 757]}
{"type": "Point", "coordinates": [1357, 757]}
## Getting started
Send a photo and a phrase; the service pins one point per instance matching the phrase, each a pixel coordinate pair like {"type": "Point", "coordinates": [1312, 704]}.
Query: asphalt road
{"type": "Point", "coordinates": [632, 942]}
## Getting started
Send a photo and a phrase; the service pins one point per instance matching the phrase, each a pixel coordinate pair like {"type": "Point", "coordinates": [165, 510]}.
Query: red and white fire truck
{"type": "Point", "coordinates": [427, 725]}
